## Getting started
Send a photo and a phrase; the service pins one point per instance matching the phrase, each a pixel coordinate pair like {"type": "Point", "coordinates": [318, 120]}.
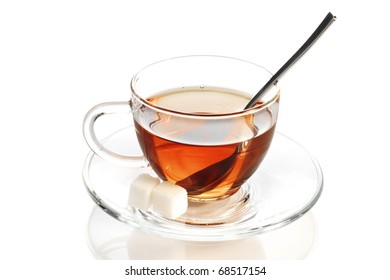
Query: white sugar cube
{"type": "Point", "coordinates": [169, 200]}
{"type": "Point", "coordinates": [140, 195]}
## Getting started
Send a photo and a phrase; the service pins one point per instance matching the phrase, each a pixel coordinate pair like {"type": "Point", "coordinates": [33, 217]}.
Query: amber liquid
{"type": "Point", "coordinates": [208, 172]}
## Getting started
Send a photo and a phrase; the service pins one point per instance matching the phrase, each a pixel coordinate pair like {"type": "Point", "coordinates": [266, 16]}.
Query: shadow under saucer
{"type": "Point", "coordinates": [111, 239]}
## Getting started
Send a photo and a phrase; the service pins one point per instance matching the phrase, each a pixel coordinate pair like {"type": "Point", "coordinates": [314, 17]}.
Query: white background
{"type": "Point", "coordinates": [59, 58]}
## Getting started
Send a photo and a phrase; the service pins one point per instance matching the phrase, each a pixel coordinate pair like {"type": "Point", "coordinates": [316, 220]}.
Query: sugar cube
{"type": "Point", "coordinates": [141, 190]}
{"type": "Point", "coordinates": [169, 200]}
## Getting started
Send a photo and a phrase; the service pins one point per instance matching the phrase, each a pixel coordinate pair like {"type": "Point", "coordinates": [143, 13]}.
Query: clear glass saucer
{"type": "Point", "coordinates": [287, 184]}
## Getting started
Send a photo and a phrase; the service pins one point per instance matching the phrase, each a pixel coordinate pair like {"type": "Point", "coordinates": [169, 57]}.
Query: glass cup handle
{"type": "Point", "coordinates": [97, 147]}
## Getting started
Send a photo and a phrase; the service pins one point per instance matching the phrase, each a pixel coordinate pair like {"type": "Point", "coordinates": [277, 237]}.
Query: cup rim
{"type": "Point", "coordinates": [239, 113]}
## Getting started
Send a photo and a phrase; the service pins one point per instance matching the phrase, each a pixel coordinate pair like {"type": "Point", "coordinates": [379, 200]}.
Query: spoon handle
{"type": "Point", "coordinates": [328, 20]}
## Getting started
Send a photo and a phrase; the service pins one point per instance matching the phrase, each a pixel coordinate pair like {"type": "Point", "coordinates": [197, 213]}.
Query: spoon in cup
{"type": "Point", "coordinates": [219, 169]}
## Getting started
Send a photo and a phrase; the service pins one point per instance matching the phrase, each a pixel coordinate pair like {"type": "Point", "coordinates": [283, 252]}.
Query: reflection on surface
{"type": "Point", "coordinates": [114, 240]}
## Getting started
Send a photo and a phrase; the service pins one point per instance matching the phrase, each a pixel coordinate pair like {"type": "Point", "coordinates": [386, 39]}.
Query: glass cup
{"type": "Point", "coordinates": [191, 126]}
